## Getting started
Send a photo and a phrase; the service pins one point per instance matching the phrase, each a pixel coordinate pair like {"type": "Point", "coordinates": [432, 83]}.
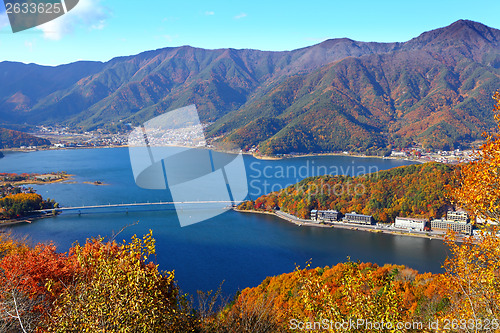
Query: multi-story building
{"type": "Point", "coordinates": [457, 226]}
{"type": "Point", "coordinates": [457, 216]}
{"type": "Point", "coordinates": [410, 223]}
{"type": "Point", "coordinates": [314, 215]}
{"type": "Point", "coordinates": [327, 216]}
{"type": "Point", "coordinates": [357, 218]}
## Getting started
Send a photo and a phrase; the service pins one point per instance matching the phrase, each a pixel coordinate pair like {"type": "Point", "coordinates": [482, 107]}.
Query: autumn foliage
{"type": "Point", "coordinates": [15, 139]}
{"type": "Point", "coordinates": [116, 287]}
{"type": "Point", "coordinates": [351, 291]}
{"type": "Point", "coordinates": [415, 190]}
{"type": "Point", "coordinates": [20, 204]}
{"type": "Point", "coordinates": [106, 286]}
{"type": "Point", "coordinates": [96, 287]}
{"type": "Point", "coordinates": [479, 183]}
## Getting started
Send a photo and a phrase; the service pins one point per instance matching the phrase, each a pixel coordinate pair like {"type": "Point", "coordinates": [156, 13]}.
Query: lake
{"type": "Point", "coordinates": [240, 249]}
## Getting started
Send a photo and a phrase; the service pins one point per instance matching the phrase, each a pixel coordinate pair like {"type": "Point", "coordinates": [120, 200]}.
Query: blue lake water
{"type": "Point", "coordinates": [238, 248]}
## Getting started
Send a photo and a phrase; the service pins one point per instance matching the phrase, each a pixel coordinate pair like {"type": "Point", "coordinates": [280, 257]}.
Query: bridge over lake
{"type": "Point", "coordinates": [124, 206]}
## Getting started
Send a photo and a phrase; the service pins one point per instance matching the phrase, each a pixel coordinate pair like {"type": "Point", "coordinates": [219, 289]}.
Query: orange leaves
{"type": "Point", "coordinates": [19, 204]}
{"type": "Point", "coordinates": [22, 198]}
{"type": "Point", "coordinates": [479, 181]}
{"type": "Point", "coordinates": [9, 245]}
{"type": "Point", "coordinates": [29, 270]}
{"type": "Point", "coordinates": [472, 279]}
{"type": "Point", "coordinates": [348, 291]}
{"type": "Point", "coordinates": [416, 190]}
{"type": "Point", "coordinates": [98, 286]}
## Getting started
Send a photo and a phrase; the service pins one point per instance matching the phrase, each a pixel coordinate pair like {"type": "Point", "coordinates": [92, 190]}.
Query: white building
{"type": "Point", "coordinates": [482, 220]}
{"type": "Point", "coordinates": [410, 223]}
{"type": "Point", "coordinates": [457, 216]}
{"type": "Point", "coordinates": [395, 153]}
{"type": "Point", "coordinates": [457, 226]}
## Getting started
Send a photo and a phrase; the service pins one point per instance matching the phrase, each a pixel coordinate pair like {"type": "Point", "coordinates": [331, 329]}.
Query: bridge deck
{"type": "Point", "coordinates": [139, 204]}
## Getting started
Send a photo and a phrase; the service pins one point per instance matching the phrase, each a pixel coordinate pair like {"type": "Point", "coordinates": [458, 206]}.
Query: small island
{"type": "Point", "coordinates": [33, 178]}
{"type": "Point", "coordinates": [96, 183]}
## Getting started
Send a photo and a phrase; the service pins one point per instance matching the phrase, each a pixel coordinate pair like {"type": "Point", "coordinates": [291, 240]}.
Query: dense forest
{"type": "Point", "coordinates": [15, 139]}
{"type": "Point", "coordinates": [351, 290]}
{"type": "Point", "coordinates": [417, 190]}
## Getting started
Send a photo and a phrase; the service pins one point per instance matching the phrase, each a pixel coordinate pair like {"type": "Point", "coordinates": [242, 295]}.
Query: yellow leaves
{"type": "Point", "coordinates": [118, 290]}
{"type": "Point", "coordinates": [472, 276]}
{"type": "Point", "coordinates": [10, 245]}
{"type": "Point", "coordinates": [479, 189]}
{"type": "Point", "coordinates": [348, 291]}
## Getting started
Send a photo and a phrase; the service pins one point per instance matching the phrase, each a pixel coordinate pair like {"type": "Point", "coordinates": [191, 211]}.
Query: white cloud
{"type": "Point", "coordinates": [240, 16]}
{"type": "Point", "coordinates": [89, 13]}
{"type": "Point", "coordinates": [170, 19]}
{"type": "Point", "coordinates": [209, 13]}
{"type": "Point", "coordinates": [99, 25]}
{"type": "Point", "coordinates": [4, 20]}
{"type": "Point", "coordinates": [170, 38]}
{"type": "Point", "coordinates": [316, 39]}
{"type": "Point", "coordinates": [29, 45]}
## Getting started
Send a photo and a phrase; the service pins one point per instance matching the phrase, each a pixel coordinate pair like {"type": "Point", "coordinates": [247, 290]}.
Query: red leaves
{"type": "Point", "coordinates": [29, 271]}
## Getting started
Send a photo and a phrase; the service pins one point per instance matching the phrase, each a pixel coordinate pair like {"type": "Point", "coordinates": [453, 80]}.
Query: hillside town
{"type": "Point", "coordinates": [66, 138]}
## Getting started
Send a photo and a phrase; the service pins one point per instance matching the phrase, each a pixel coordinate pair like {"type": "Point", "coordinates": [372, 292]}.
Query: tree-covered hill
{"type": "Point", "coordinates": [15, 139]}
{"type": "Point", "coordinates": [418, 190]}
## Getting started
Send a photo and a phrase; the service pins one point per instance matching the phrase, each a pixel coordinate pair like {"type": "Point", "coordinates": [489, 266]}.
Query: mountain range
{"type": "Point", "coordinates": [434, 90]}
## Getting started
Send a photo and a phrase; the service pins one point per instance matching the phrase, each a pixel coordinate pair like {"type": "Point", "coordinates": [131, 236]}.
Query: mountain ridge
{"type": "Point", "coordinates": [386, 94]}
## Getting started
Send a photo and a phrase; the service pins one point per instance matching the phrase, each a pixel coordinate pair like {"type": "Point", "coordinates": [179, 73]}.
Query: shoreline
{"type": "Point", "coordinates": [256, 156]}
{"type": "Point", "coordinates": [354, 227]}
{"type": "Point", "coordinates": [28, 219]}
{"type": "Point", "coordinates": [64, 178]}
{"type": "Point", "coordinates": [19, 150]}
{"type": "Point", "coordinates": [264, 157]}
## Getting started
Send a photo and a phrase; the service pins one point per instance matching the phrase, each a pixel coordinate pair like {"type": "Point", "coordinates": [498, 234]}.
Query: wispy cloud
{"type": "Point", "coordinates": [29, 45]}
{"type": "Point", "coordinates": [4, 20]}
{"type": "Point", "coordinates": [89, 13]}
{"type": "Point", "coordinates": [170, 19]}
{"type": "Point", "coordinates": [209, 13]}
{"type": "Point", "coordinates": [316, 39]}
{"type": "Point", "coordinates": [170, 38]}
{"type": "Point", "coordinates": [240, 16]}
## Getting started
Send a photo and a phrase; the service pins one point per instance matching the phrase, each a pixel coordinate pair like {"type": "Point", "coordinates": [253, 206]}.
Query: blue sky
{"type": "Point", "coordinates": [103, 29]}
